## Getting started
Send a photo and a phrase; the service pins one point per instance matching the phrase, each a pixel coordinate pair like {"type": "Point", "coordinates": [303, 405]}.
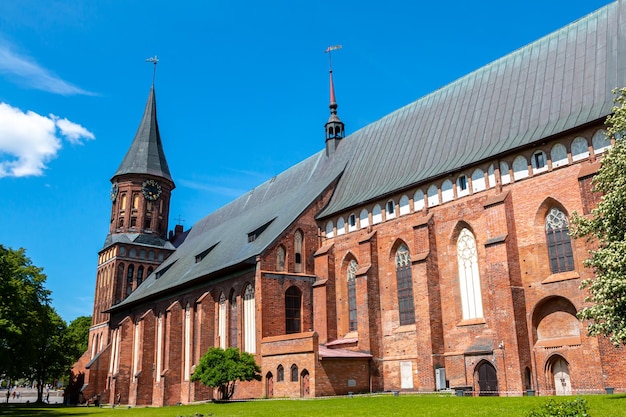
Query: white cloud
{"type": "Point", "coordinates": [72, 131]}
{"type": "Point", "coordinates": [28, 140]}
{"type": "Point", "coordinates": [30, 74]}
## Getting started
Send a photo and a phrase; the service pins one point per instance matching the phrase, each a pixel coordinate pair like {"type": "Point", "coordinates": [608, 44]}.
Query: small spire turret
{"type": "Point", "coordinates": [334, 127]}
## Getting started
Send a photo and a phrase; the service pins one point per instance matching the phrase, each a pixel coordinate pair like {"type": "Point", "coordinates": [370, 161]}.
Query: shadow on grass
{"type": "Point", "coordinates": [35, 410]}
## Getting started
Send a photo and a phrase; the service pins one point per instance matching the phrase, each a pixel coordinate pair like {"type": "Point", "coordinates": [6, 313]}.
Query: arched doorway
{"type": "Point", "coordinates": [269, 385]}
{"type": "Point", "coordinates": [304, 384]}
{"type": "Point", "coordinates": [561, 377]}
{"type": "Point", "coordinates": [487, 379]}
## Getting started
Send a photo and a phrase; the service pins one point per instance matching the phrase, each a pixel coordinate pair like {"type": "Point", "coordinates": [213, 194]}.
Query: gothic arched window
{"type": "Point", "coordinates": [469, 276]}
{"type": "Point", "coordinates": [249, 323]}
{"type": "Point", "coordinates": [293, 303]}
{"type": "Point", "coordinates": [232, 328]}
{"type": "Point", "coordinates": [294, 373]}
{"type": "Point", "coordinates": [297, 248]}
{"type": "Point", "coordinates": [280, 259]}
{"type": "Point", "coordinates": [352, 317]}
{"type": "Point", "coordinates": [221, 321]}
{"type": "Point", "coordinates": [559, 242]}
{"type": "Point", "coordinates": [280, 374]}
{"type": "Point", "coordinates": [406, 307]}
{"type": "Point", "coordinates": [129, 279]}
{"type": "Point", "coordinates": [139, 275]}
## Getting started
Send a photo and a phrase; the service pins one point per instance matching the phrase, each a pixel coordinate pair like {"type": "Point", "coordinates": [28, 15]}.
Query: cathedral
{"type": "Point", "coordinates": [427, 251]}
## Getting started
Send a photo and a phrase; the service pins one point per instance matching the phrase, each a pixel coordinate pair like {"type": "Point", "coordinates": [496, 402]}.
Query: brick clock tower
{"type": "Point", "coordinates": [137, 240]}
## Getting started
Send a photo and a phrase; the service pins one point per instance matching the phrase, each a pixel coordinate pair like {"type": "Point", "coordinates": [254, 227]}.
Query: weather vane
{"type": "Point", "coordinates": [328, 51]}
{"type": "Point", "coordinates": [154, 60]}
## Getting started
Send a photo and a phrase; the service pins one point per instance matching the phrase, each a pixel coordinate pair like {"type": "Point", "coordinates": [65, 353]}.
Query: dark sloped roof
{"type": "Point", "coordinates": [278, 202]}
{"type": "Point", "coordinates": [146, 155]}
{"type": "Point", "coordinates": [136, 238]}
{"type": "Point", "coordinates": [559, 82]}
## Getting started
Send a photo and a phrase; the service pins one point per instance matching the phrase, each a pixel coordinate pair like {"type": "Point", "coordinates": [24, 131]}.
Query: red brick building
{"type": "Point", "coordinates": [428, 250]}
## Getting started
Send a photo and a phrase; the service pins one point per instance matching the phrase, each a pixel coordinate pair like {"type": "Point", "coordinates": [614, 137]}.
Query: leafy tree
{"type": "Point", "coordinates": [34, 340]}
{"type": "Point", "coordinates": [220, 369]}
{"type": "Point", "coordinates": [78, 336]}
{"type": "Point", "coordinates": [605, 230]}
{"type": "Point", "coordinates": [51, 356]}
{"type": "Point", "coordinates": [22, 296]}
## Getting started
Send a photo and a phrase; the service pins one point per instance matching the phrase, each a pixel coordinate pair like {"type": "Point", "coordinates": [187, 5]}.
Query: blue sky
{"type": "Point", "coordinates": [242, 93]}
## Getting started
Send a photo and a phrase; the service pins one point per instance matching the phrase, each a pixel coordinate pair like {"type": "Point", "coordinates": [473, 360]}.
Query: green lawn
{"type": "Point", "coordinates": [387, 405]}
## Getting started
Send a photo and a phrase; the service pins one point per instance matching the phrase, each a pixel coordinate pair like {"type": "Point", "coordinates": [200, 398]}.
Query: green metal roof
{"type": "Point", "coordinates": [557, 83]}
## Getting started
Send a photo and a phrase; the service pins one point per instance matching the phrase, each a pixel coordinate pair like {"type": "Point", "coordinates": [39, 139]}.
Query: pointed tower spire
{"type": "Point", "coordinates": [334, 127]}
{"type": "Point", "coordinates": [145, 155]}
{"type": "Point", "coordinates": [142, 185]}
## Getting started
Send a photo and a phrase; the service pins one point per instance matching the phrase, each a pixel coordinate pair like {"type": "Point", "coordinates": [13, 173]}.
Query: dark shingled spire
{"type": "Point", "coordinates": [146, 155]}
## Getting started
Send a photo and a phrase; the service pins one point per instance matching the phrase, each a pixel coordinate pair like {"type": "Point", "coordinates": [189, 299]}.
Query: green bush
{"type": "Point", "coordinates": [575, 408]}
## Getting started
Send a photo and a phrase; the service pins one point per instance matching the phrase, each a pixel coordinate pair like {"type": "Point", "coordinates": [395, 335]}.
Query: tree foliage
{"type": "Point", "coordinates": [605, 230]}
{"type": "Point", "coordinates": [220, 369]}
{"type": "Point", "coordinates": [78, 336]}
{"type": "Point", "coordinates": [34, 340]}
{"type": "Point", "coordinates": [22, 299]}
{"type": "Point", "coordinates": [50, 355]}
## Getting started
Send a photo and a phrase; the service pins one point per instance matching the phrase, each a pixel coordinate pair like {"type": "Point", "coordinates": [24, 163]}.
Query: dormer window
{"type": "Point", "coordinates": [160, 273]}
{"type": "Point", "coordinates": [204, 253]}
{"type": "Point", "coordinates": [252, 236]}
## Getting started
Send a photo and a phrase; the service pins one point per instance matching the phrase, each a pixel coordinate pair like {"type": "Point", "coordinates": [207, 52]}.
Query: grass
{"type": "Point", "coordinates": [387, 405]}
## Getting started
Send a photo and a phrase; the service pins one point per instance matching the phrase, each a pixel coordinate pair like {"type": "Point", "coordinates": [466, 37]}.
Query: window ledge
{"type": "Point", "coordinates": [559, 341]}
{"type": "Point", "coordinates": [405, 329]}
{"type": "Point", "coordinates": [561, 276]}
{"type": "Point", "coordinates": [351, 335]}
{"type": "Point", "coordinates": [471, 322]}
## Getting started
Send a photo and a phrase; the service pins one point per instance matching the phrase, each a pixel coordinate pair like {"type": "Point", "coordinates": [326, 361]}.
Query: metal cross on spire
{"type": "Point", "coordinates": [179, 220]}
{"type": "Point", "coordinates": [328, 51]}
{"type": "Point", "coordinates": [154, 60]}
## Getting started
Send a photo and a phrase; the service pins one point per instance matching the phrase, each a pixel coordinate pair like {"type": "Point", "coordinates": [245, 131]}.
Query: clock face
{"type": "Point", "coordinates": [151, 189]}
{"type": "Point", "coordinates": [114, 191]}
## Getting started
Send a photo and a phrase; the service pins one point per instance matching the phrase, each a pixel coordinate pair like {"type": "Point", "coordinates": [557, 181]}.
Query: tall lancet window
{"type": "Point", "coordinates": [159, 350]}
{"type": "Point", "coordinates": [293, 307]}
{"type": "Point", "coordinates": [559, 242]}
{"type": "Point", "coordinates": [187, 358]}
{"type": "Point", "coordinates": [129, 279]}
{"type": "Point", "coordinates": [221, 321]}
{"type": "Point", "coordinates": [404, 280]}
{"type": "Point", "coordinates": [136, 350]}
{"type": "Point", "coordinates": [232, 328]}
{"type": "Point", "coordinates": [280, 259]}
{"type": "Point", "coordinates": [469, 276]}
{"type": "Point", "coordinates": [297, 249]}
{"type": "Point", "coordinates": [352, 312]}
{"type": "Point", "coordinates": [249, 320]}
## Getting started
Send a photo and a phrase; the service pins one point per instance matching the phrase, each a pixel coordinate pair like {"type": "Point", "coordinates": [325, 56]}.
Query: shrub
{"type": "Point", "coordinates": [575, 408]}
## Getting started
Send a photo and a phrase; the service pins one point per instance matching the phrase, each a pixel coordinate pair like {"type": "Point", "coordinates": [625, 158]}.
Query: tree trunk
{"type": "Point", "coordinates": [40, 391]}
